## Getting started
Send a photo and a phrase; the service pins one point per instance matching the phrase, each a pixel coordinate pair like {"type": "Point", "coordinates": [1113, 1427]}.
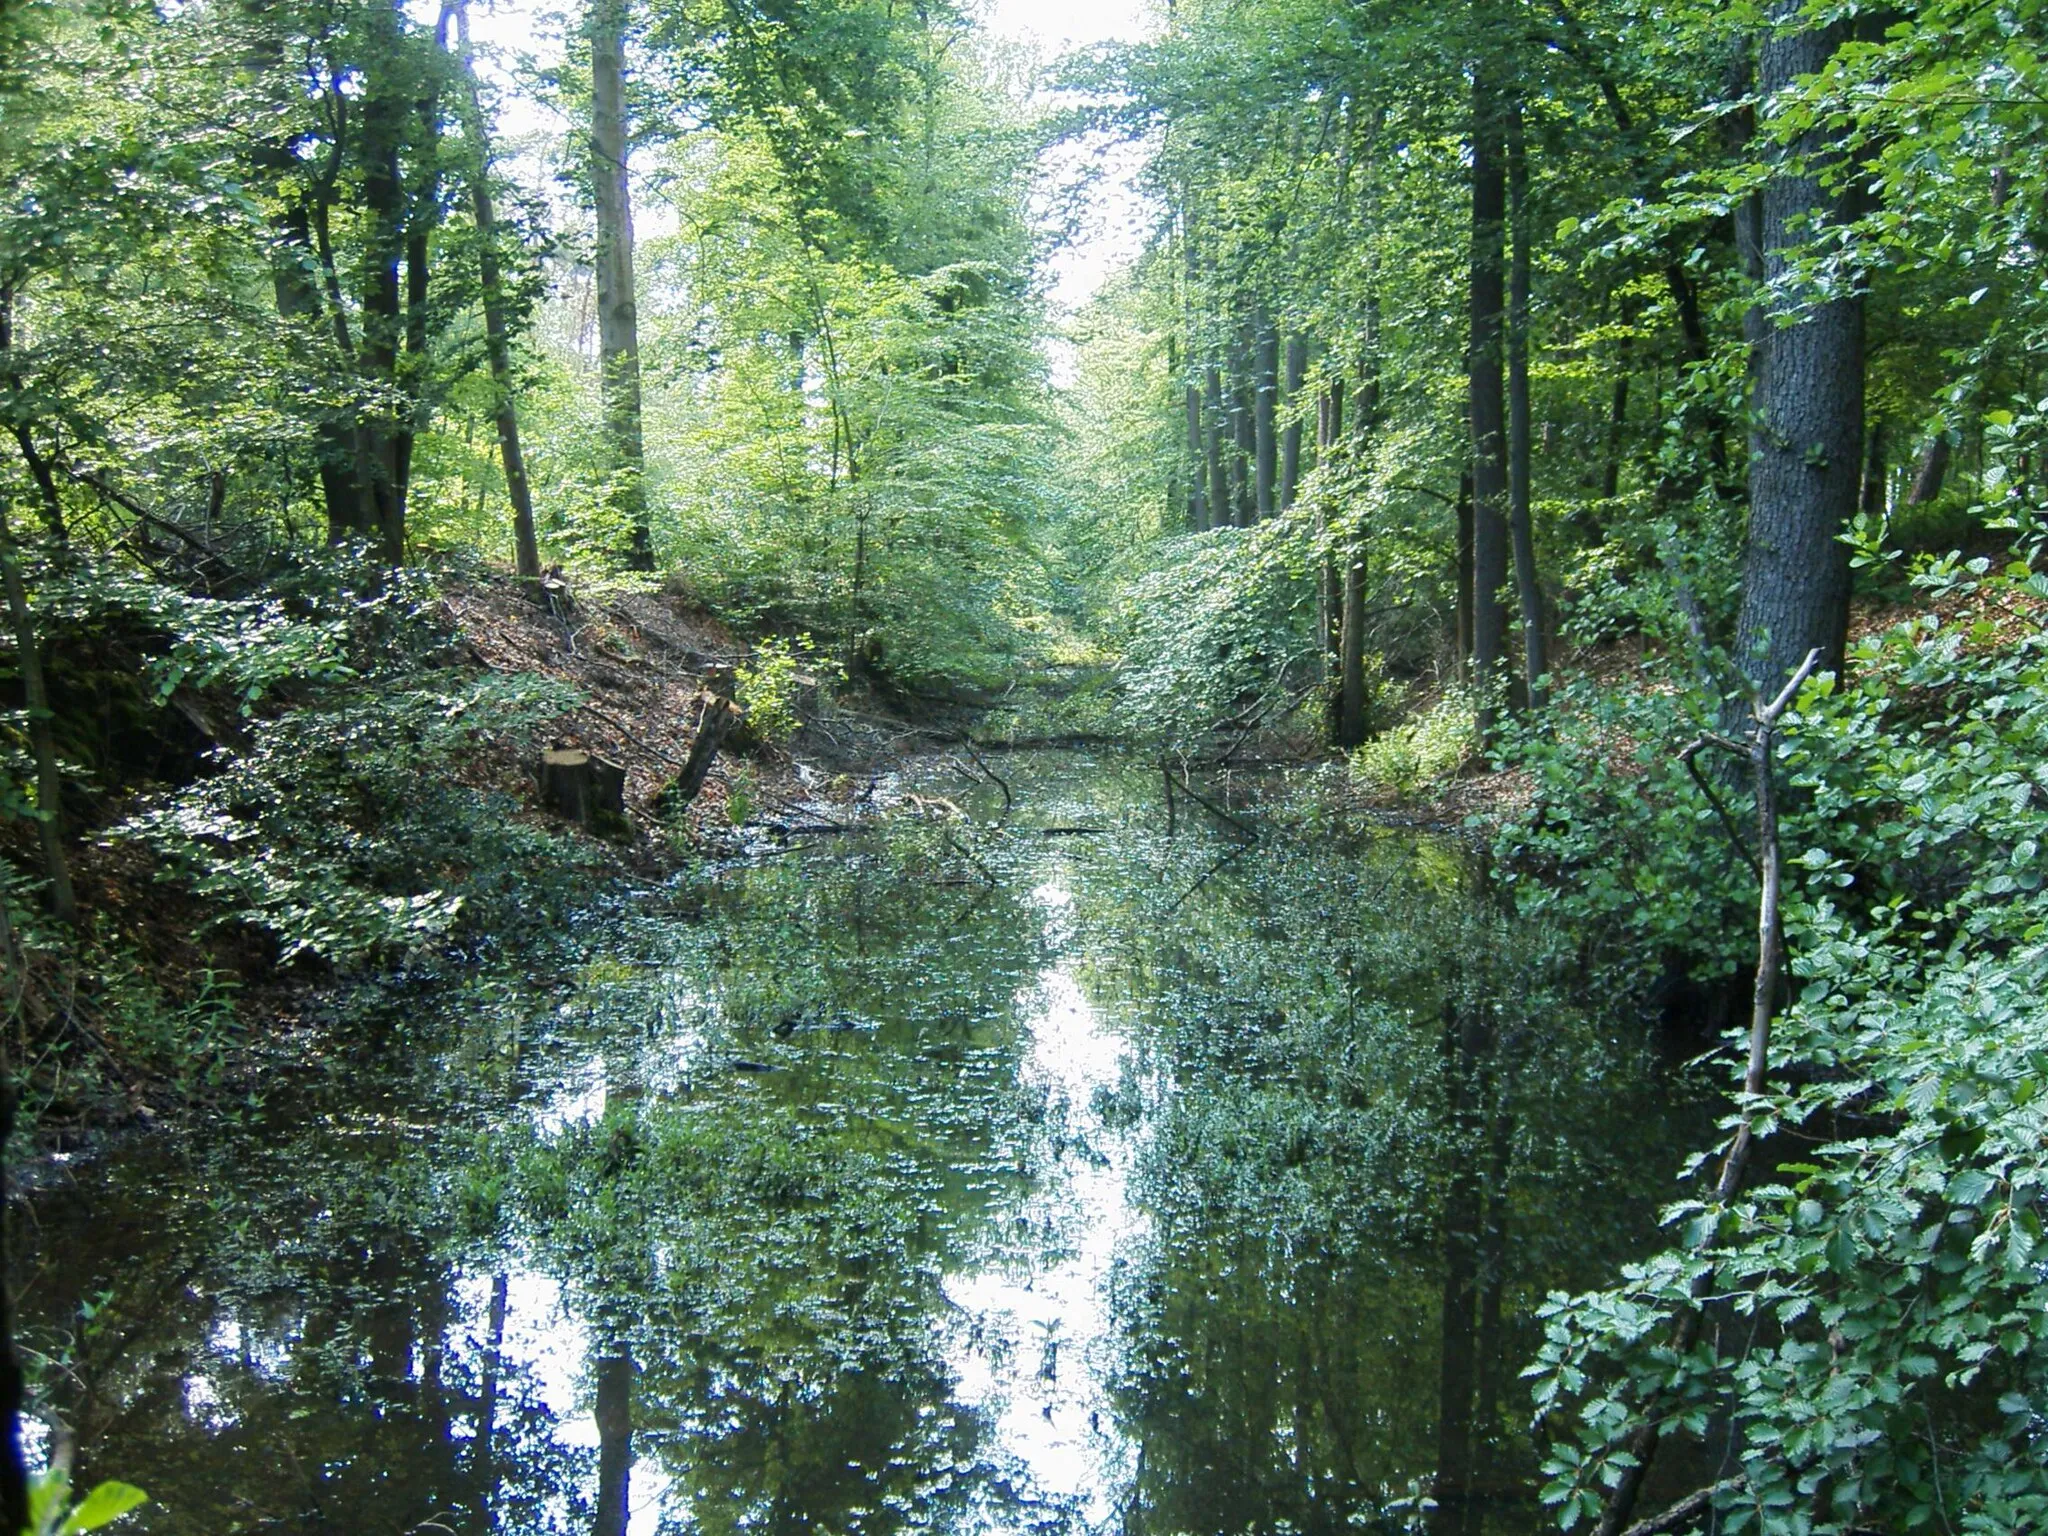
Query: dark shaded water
{"type": "Point", "coordinates": [1042, 1172]}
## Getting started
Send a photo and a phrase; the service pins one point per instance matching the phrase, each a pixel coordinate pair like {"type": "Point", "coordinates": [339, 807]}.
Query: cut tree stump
{"type": "Point", "coordinates": [584, 788]}
{"type": "Point", "coordinates": [719, 719]}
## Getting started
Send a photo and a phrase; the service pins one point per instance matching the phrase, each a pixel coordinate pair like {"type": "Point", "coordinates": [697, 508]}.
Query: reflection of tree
{"type": "Point", "coordinates": [1392, 1130]}
{"type": "Point", "coordinates": [769, 1233]}
{"type": "Point", "coordinates": [276, 1343]}
{"type": "Point", "coordinates": [814, 1440]}
{"type": "Point", "coordinates": [614, 1443]}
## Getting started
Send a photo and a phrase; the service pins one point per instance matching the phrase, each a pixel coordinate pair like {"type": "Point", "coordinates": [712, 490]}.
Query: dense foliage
{"type": "Point", "coordinates": [1560, 376]}
{"type": "Point", "coordinates": [269, 286]}
{"type": "Point", "coordinates": [1627, 334]}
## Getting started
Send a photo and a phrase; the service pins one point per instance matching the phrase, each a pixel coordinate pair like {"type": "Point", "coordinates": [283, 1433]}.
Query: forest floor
{"type": "Point", "coordinates": [646, 662]}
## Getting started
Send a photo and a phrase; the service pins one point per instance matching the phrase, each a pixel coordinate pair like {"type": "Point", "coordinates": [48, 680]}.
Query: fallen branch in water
{"type": "Point", "coordinates": [1187, 788]}
{"type": "Point", "coordinates": [1209, 874]}
{"type": "Point", "coordinates": [1685, 1509]}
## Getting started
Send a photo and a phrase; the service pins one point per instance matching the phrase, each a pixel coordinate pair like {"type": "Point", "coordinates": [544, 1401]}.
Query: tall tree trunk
{"type": "Point", "coordinates": [1329, 430]}
{"type": "Point", "coordinates": [422, 217]}
{"type": "Point", "coordinates": [1199, 506]}
{"type": "Point", "coordinates": [13, 1468]}
{"type": "Point", "coordinates": [1243, 429]}
{"type": "Point", "coordinates": [1875, 465]}
{"type": "Point", "coordinates": [1353, 707]}
{"type": "Point", "coordinates": [28, 654]}
{"type": "Point", "coordinates": [1932, 474]}
{"type": "Point", "coordinates": [1219, 482]}
{"type": "Point", "coordinates": [497, 328]}
{"type": "Point", "coordinates": [1487, 395]}
{"type": "Point", "coordinates": [1290, 440]}
{"type": "Point", "coordinates": [1806, 451]}
{"type": "Point", "coordinates": [1535, 657]}
{"type": "Point", "coordinates": [1351, 700]}
{"type": "Point", "coordinates": [618, 322]}
{"type": "Point", "coordinates": [51, 506]}
{"type": "Point", "coordinates": [1462, 641]}
{"type": "Point", "coordinates": [298, 300]}
{"type": "Point", "coordinates": [380, 429]}
{"type": "Point", "coordinates": [1265, 393]}
{"type": "Point", "coordinates": [1617, 428]}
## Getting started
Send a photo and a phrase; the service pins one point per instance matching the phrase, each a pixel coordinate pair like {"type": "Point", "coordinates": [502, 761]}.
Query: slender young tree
{"type": "Point", "coordinates": [618, 323]}
{"type": "Point", "coordinates": [1535, 659]}
{"type": "Point", "coordinates": [1488, 300]}
{"type": "Point", "coordinates": [497, 324]}
{"type": "Point", "coordinates": [1220, 513]}
{"type": "Point", "coordinates": [28, 653]}
{"type": "Point", "coordinates": [1265, 395]}
{"type": "Point", "coordinates": [1290, 438]}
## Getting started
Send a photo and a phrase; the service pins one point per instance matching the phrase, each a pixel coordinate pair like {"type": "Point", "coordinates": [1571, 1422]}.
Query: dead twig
{"type": "Point", "coordinates": [1761, 747]}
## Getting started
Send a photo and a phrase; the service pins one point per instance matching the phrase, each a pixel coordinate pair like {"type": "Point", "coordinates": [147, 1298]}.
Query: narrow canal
{"type": "Point", "coordinates": [1069, 1165]}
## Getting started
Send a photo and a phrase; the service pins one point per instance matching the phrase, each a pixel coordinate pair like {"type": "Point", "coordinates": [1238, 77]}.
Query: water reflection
{"type": "Point", "coordinates": [957, 1178]}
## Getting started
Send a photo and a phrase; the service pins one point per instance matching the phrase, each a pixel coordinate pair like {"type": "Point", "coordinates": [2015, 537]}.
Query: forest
{"type": "Point", "coordinates": [685, 847]}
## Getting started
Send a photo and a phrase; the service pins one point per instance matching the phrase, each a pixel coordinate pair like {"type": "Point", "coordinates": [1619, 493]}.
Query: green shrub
{"type": "Point", "coordinates": [771, 686]}
{"type": "Point", "coordinates": [344, 831]}
{"type": "Point", "coordinates": [1876, 1354]}
{"type": "Point", "coordinates": [1424, 750]}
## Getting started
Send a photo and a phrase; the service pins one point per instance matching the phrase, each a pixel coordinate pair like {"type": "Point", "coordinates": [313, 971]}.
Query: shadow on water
{"type": "Point", "coordinates": [1058, 1170]}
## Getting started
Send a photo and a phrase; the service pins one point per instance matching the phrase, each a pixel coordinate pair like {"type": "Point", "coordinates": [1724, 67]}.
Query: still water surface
{"type": "Point", "coordinates": [1075, 1167]}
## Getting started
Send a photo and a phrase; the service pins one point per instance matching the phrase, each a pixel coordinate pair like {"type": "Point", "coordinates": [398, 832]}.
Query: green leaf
{"type": "Point", "coordinates": [103, 1506]}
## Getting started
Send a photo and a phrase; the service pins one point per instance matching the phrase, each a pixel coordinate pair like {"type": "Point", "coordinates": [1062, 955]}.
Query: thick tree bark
{"type": "Point", "coordinates": [1290, 439]}
{"type": "Point", "coordinates": [497, 326]}
{"type": "Point", "coordinates": [1265, 396]}
{"type": "Point", "coordinates": [28, 660]}
{"type": "Point", "coordinates": [1535, 657]}
{"type": "Point", "coordinates": [583, 787]}
{"type": "Point", "coordinates": [718, 720]}
{"type": "Point", "coordinates": [1487, 394]}
{"type": "Point", "coordinates": [1807, 449]}
{"type": "Point", "coordinates": [618, 323]}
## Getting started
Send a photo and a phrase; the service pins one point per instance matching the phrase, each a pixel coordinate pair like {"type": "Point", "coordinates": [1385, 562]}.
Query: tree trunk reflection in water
{"type": "Point", "coordinates": [614, 1442]}
{"type": "Point", "coordinates": [487, 1406]}
{"type": "Point", "coordinates": [1465, 1041]}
